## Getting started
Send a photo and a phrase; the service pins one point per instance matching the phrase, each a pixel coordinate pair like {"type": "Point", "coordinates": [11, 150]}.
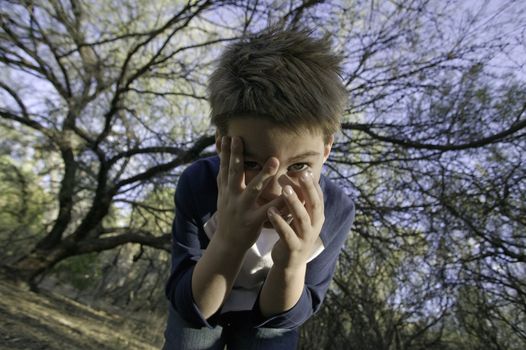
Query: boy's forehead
{"type": "Point", "coordinates": [262, 138]}
{"type": "Point", "coordinates": [255, 125]}
{"type": "Point", "coordinates": [293, 153]}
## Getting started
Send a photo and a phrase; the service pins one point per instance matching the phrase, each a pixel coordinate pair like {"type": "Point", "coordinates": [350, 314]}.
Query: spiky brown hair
{"type": "Point", "coordinates": [286, 76]}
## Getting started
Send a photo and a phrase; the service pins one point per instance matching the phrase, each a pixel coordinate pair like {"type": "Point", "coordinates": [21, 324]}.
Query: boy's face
{"type": "Point", "coordinates": [296, 153]}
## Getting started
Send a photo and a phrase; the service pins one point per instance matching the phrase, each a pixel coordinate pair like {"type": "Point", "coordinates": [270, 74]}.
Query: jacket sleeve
{"type": "Point", "coordinates": [186, 251]}
{"type": "Point", "coordinates": [318, 275]}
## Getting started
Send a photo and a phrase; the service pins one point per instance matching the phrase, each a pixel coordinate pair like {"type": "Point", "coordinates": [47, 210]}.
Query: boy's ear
{"type": "Point", "coordinates": [327, 148]}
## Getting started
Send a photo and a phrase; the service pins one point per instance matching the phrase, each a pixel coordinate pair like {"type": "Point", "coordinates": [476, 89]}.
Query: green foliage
{"type": "Point", "coordinates": [23, 207]}
{"type": "Point", "coordinates": [80, 271]}
{"type": "Point", "coordinates": [155, 212]}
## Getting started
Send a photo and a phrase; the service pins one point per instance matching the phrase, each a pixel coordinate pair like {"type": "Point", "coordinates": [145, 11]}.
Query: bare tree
{"type": "Point", "coordinates": [108, 100]}
{"type": "Point", "coordinates": [433, 152]}
{"type": "Point", "coordinates": [95, 84]}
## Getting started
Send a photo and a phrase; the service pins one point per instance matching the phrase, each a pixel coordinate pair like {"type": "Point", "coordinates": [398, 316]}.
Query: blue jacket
{"type": "Point", "coordinates": [196, 202]}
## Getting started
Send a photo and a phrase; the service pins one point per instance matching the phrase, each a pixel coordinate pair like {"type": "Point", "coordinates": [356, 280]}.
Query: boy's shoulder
{"type": "Point", "coordinates": [197, 188]}
{"type": "Point", "coordinates": [201, 175]}
{"type": "Point", "coordinates": [204, 167]}
{"type": "Point", "coordinates": [335, 198]}
{"type": "Point", "coordinates": [339, 211]}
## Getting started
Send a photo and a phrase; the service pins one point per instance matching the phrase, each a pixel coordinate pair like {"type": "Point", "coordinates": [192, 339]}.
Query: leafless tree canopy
{"type": "Point", "coordinates": [102, 104]}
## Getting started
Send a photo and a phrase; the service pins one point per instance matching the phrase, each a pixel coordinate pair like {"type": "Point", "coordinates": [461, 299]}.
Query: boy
{"type": "Point", "coordinates": [258, 229]}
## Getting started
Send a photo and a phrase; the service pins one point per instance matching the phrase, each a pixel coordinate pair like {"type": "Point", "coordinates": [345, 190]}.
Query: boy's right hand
{"type": "Point", "coordinates": [240, 218]}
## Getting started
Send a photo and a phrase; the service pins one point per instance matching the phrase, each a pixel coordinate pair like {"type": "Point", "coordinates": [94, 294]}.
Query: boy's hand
{"type": "Point", "coordinates": [298, 239]}
{"type": "Point", "coordinates": [239, 217]}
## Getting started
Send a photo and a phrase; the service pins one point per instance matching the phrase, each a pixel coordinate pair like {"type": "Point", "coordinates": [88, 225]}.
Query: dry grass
{"type": "Point", "coordinates": [49, 321]}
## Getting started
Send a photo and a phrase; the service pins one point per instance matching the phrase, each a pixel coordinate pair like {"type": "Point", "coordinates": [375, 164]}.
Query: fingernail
{"type": "Point", "coordinates": [272, 211]}
{"type": "Point", "coordinates": [224, 141]}
{"type": "Point", "coordinates": [306, 176]}
{"type": "Point", "coordinates": [287, 190]}
{"type": "Point", "coordinates": [271, 165]}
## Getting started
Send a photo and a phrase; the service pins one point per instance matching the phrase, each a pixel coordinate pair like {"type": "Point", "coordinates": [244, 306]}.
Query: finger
{"type": "Point", "coordinates": [255, 187]}
{"type": "Point", "coordinates": [224, 161]}
{"type": "Point", "coordinates": [285, 180]}
{"type": "Point", "coordinates": [320, 193]}
{"type": "Point", "coordinates": [275, 203]}
{"type": "Point", "coordinates": [313, 201]}
{"type": "Point", "coordinates": [301, 219]}
{"type": "Point", "coordinates": [322, 200]}
{"type": "Point", "coordinates": [236, 175]}
{"type": "Point", "coordinates": [285, 232]}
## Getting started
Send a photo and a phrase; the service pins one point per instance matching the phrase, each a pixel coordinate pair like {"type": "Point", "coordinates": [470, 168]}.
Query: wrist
{"type": "Point", "coordinates": [286, 260]}
{"type": "Point", "coordinates": [223, 245]}
{"type": "Point", "coordinates": [290, 269]}
{"type": "Point", "coordinates": [282, 289]}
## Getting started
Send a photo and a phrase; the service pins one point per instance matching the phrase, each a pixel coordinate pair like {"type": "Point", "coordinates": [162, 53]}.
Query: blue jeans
{"type": "Point", "coordinates": [180, 335]}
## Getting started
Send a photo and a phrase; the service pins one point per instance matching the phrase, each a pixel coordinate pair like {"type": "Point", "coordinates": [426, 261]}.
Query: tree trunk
{"type": "Point", "coordinates": [28, 268]}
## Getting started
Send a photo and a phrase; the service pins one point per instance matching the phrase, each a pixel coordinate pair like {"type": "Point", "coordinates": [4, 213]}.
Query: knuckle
{"type": "Point", "coordinates": [304, 217]}
{"type": "Point", "coordinates": [234, 170]}
{"type": "Point", "coordinates": [317, 206]}
{"type": "Point", "coordinates": [255, 188]}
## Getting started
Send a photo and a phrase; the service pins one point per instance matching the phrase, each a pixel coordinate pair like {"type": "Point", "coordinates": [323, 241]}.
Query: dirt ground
{"type": "Point", "coordinates": [49, 321]}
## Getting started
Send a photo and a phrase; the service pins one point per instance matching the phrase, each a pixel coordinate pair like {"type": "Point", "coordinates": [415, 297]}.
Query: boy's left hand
{"type": "Point", "coordinates": [298, 239]}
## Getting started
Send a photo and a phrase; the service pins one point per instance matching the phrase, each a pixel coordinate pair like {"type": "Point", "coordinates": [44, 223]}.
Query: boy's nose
{"type": "Point", "coordinates": [272, 189]}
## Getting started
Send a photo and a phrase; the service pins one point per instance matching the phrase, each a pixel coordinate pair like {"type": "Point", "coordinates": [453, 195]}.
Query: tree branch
{"type": "Point", "coordinates": [367, 128]}
{"type": "Point", "coordinates": [183, 158]}
{"type": "Point", "coordinates": [133, 236]}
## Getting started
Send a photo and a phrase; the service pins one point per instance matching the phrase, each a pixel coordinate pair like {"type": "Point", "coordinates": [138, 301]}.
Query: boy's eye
{"type": "Point", "coordinates": [252, 166]}
{"type": "Point", "coordinates": [298, 167]}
